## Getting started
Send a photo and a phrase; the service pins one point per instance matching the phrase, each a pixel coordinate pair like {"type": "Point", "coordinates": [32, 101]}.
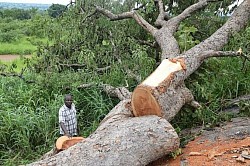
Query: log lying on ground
{"type": "Point", "coordinates": [121, 139]}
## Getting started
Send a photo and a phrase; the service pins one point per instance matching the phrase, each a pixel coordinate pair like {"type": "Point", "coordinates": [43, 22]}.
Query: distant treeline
{"type": "Point", "coordinates": [53, 10]}
{"type": "Point", "coordinates": [6, 5]}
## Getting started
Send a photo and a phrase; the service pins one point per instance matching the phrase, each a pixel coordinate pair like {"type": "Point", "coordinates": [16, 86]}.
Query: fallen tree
{"type": "Point", "coordinates": [132, 134]}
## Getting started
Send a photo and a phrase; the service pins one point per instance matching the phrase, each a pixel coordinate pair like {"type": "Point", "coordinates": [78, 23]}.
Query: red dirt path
{"type": "Point", "coordinates": [228, 145]}
{"type": "Point", "coordinates": [7, 58]}
{"type": "Point", "coordinates": [219, 153]}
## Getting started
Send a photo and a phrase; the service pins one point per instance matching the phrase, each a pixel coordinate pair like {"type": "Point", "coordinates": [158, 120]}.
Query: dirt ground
{"type": "Point", "coordinates": [228, 145]}
{"type": "Point", "coordinates": [7, 58]}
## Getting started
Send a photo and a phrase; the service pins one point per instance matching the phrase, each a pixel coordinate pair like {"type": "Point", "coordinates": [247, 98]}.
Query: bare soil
{"type": "Point", "coordinates": [228, 145]}
{"type": "Point", "coordinates": [7, 58]}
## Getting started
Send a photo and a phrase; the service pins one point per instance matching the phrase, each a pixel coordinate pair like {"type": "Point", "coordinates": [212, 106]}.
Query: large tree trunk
{"type": "Point", "coordinates": [121, 138]}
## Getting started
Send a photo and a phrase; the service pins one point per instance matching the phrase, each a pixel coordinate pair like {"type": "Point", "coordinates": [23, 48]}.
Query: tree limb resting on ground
{"type": "Point", "coordinates": [120, 92]}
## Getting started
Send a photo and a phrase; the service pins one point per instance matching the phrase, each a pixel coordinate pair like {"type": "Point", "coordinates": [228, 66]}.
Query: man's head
{"type": "Point", "coordinates": [68, 99]}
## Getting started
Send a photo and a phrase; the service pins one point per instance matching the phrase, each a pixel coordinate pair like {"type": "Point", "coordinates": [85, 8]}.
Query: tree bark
{"type": "Point", "coordinates": [121, 139]}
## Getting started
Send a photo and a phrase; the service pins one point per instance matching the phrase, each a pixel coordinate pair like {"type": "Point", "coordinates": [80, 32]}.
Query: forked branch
{"type": "Point", "coordinates": [188, 11]}
{"type": "Point", "coordinates": [126, 15]}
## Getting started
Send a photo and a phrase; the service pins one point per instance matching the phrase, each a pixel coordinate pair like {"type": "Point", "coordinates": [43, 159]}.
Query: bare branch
{"type": "Point", "coordinates": [189, 98]}
{"type": "Point", "coordinates": [239, 99]}
{"type": "Point", "coordinates": [160, 19]}
{"type": "Point", "coordinates": [188, 11]}
{"type": "Point", "coordinates": [151, 44]}
{"type": "Point", "coordinates": [120, 92]}
{"type": "Point", "coordinates": [89, 15]}
{"type": "Point", "coordinates": [103, 69]}
{"type": "Point", "coordinates": [72, 65]}
{"type": "Point", "coordinates": [212, 53]}
{"type": "Point", "coordinates": [18, 75]}
{"type": "Point", "coordinates": [126, 15]}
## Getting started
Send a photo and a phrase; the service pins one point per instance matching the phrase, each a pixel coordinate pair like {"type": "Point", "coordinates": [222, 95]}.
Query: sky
{"type": "Point", "coordinates": [63, 2]}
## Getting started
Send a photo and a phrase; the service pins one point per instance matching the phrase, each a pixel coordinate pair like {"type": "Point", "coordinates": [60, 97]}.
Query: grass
{"type": "Point", "coordinates": [29, 114]}
{"type": "Point", "coordinates": [24, 46]}
{"type": "Point", "coordinates": [16, 65]}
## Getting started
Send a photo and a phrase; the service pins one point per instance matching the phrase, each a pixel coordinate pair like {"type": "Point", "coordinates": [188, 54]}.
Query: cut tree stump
{"type": "Point", "coordinates": [64, 142]}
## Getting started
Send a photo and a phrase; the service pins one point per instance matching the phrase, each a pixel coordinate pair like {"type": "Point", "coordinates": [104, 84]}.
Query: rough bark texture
{"type": "Point", "coordinates": [121, 140]}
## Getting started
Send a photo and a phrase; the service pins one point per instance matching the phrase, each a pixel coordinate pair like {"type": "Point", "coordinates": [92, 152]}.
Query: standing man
{"type": "Point", "coordinates": [67, 117]}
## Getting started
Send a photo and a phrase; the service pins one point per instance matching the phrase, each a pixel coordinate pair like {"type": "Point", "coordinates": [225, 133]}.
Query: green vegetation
{"type": "Point", "coordinates": [21, 31]}
{"type": "Point", "coordinates": [29, 111]}
{"type": "Point", "coordinates": [21, 47]}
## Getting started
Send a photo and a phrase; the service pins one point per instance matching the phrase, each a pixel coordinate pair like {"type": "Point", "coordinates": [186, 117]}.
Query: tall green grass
{"type": "Point", "coordinates": [29, 113]}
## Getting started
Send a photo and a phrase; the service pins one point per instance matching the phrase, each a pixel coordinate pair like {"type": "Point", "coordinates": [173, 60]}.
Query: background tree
{"type": "Point", "coordinates": [56, 10]}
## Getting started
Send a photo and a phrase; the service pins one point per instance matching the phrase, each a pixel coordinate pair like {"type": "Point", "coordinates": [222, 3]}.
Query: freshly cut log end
{"type": "Point", "coordinates": [145, 96]}
{"type": "Point", "coordinates": [163, 72]}
{"type": "Point", "coordinates": [144, 103]}
{"type": "Point", "coordinates": [65, 142]}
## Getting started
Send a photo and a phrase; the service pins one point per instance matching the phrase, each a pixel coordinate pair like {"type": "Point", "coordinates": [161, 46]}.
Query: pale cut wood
{"type": "Point", "coordinates": [145, 96]}
{"type": "Point", "coordinates": [64, 142]}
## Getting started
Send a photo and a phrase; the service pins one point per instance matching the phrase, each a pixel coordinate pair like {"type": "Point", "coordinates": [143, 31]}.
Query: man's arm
{"type": "Point", "coordinates": [64, 129]}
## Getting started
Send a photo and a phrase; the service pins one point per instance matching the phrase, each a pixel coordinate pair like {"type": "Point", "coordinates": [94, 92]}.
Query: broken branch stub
{"type": "Point", "coordinates": [147, 97]}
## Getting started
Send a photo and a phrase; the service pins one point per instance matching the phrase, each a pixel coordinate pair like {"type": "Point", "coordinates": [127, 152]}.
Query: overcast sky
{"type": "Point", "coordinates": [64, 2]}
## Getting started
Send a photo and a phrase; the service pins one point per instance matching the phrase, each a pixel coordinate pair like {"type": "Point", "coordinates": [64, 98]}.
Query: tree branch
{"type": "Point", "coordinates": [212, 53]}
{"type": "Point", "coordinates": [126, 15]}
{"type": "Point", "coordinates": [160, 19]}
{"type": "Point", "coordinates": [188, 11]}
{"type": "Point", "coordinates": [103, 69]}
{"type": "Point", "coordinates": [120, 92]}
{"type": "Point", "coordinates": [17, 75]}
{"type": "Point", "coordinates": [148, 43]}
{"type": "Point", "coordinates": [238, 99]}
{"type": "Point", "coordinates": [72, 65]}
{"type": "Point", "coordinates": [234, 24]}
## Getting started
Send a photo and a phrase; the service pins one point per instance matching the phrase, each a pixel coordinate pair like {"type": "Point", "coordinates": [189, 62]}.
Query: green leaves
{"type": "Point", "coordinates": [185, 37]}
